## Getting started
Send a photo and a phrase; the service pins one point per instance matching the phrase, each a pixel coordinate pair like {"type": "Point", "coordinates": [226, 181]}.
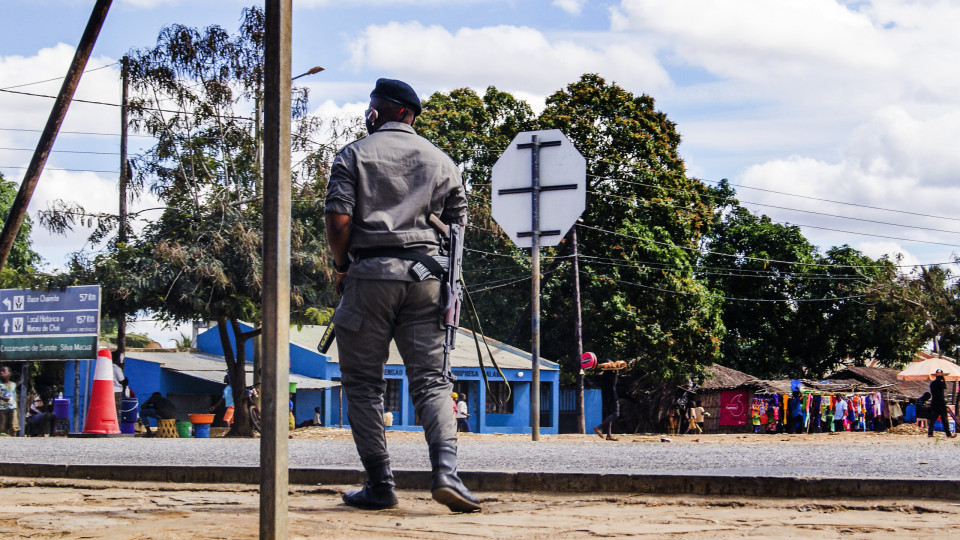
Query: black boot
{"type": "Point", "coordinates": [378, 492]}
{"type": "Point", "coordinates": [447, 487]}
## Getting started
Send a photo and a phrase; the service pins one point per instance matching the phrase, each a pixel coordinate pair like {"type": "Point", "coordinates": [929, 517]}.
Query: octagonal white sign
{"type": "Point", "coordinates": [563, 195]}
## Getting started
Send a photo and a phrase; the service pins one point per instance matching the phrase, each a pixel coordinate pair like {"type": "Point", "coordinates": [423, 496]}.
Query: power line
{"type": "Point", "coordinates": [838, 216]}
{"type": "Point", "coordinates": [731, 272]}
{"type": "Point", "coordinates": [638, 200]}
{"type": "Point", "coordinates": [73, 132]}
{"type": "Point", "coordinates": [59, 169]}
{"type": "Point", "coordinates": [117, 105]}
{"type": "Point", "coordinates": [65, 151]}
{"type": "Point", "coordinates": [837, 202]}
{"type": "Point", "coordinates": [733, 299]}
{"type": "Point", "coordinates": [56, 78]}
{"type": "Point", "coordinates": [749, 258]}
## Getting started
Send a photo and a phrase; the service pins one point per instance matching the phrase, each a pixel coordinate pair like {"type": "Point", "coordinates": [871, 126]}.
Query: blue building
{"type": "Point", "coordinates": [193, 380]}
{"type": "Point", "coordinates": [488, 414]}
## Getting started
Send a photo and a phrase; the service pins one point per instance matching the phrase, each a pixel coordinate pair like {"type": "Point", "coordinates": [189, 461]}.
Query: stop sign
{"type": "Point", "coordinates": [563, 192]}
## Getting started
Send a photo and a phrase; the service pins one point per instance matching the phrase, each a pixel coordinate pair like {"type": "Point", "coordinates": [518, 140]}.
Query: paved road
{"type": "Point", "coordinates": [910, 459]}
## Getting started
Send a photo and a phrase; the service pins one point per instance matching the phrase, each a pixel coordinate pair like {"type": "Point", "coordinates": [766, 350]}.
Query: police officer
{"type": "Point", "coordinates": [381, 192]}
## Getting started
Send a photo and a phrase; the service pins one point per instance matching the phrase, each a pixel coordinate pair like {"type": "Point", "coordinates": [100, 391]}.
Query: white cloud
{"type": "Point", "coordinates": [574, 7]}
{"type": "Point", "coordinates": [393, 3]}
{"type": "Point", "coordinates": [894, 161]}
{"type": "Point", "coordinates": [95, 191]}
{"type": "Point", "coordinates": [509, 57]}
{"type": "Point", "coordinates": [149, 4]}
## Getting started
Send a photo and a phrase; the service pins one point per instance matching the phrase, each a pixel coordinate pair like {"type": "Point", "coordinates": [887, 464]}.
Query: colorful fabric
{"type": "Point", "coordinates": [8, 396]}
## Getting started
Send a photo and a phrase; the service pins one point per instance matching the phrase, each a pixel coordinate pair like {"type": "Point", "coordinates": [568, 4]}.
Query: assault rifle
{"type": "Point", "coordinates": [451, 290]}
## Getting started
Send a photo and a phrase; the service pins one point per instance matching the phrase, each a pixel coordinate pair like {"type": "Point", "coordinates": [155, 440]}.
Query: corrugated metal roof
{"type": "Point", "coordinates": [464, 355]}
{"type": "Point", "coordinates": [212, 368]}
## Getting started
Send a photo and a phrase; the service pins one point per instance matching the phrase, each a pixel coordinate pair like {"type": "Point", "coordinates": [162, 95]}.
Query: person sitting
{"type": "Point", "coordinates": [157, 407]}
{"type": "Point", "coordinates": [910, 413]}
{"type": "Point", "coordinates": [40, 418]}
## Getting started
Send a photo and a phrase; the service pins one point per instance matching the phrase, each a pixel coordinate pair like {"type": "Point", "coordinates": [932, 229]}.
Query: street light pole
{"type": "Point", "coordinates": [275, 338]}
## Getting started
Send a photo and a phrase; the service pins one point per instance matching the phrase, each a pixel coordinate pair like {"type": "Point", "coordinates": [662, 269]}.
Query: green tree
{"type": "Point", "coordinates": [641, 231]}
{"type": "Point", "coordinates": [197, 93]}
{"type": "Point", "coordinates": [642, 225]}
{"type": "Point", "coordinates": [792, 312]}
{"type": "Point", "coordinates": [22, 256]}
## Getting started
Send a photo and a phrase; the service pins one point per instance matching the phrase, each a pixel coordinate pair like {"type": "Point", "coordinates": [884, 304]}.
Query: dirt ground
{"type": "Point", "coordinates": [52, 508]}
{"type": "Point", "coordinates": [40, 509]}
{"type": "Point", "coordinates": [904, 433]}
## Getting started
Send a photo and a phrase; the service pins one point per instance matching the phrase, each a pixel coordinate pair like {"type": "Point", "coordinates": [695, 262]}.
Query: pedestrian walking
{"type": "Point", "coordinates": [938, 405]}
{"type": "Point", "coordinates": [612, 401]}
{"type": "Point", "coordinates": [463, 412]}
{"type": "Point", "coordinates": [8, 403]}
{"type": "Point", "coordinates": [696, 415]}
{"type": "Point", "coordinates": [382, 190]}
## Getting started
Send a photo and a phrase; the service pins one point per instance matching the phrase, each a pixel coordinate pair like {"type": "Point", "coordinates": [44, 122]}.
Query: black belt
{"type": "Point", "coordinates": [432, 265]}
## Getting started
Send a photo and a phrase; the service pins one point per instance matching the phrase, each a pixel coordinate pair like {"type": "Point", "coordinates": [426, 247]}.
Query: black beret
{"type": "Point", "coordinates": [397, 92]}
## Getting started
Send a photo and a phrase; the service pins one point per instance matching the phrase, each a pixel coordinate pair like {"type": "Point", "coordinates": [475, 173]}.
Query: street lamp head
{"type": "Point", "coordinates": [311, 71]}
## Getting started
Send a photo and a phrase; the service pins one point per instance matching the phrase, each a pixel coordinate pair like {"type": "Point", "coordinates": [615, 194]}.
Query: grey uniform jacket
{"type": "Point", "coordinates": [388, 182]}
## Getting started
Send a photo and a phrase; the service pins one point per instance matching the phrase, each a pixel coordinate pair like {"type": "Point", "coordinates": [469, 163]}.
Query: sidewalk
{"type": "Point", "coordinates": [50, 508]}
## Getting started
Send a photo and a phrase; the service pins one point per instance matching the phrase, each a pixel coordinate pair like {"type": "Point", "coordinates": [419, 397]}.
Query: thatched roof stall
{"type": "Point", "coordinates": [718, 380]}
{"type": "Point", "coordinates": [723, 378]}
{"type": "Point", "coordinates": [869, 379]}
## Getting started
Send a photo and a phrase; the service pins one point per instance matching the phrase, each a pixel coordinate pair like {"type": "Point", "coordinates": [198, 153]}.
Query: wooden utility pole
{"type": "Point", "coordinates": [578, 329]}
{"type": "Point", "coordinates": [18, 210]}
{"type": "Point", "coordinates": [122, 222]}
{"type": "Point", "coordinates": [275, 339]}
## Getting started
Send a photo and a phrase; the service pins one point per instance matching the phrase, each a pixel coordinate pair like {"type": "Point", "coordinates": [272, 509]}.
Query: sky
{"type": "Point", "coordinates": [841, 116]}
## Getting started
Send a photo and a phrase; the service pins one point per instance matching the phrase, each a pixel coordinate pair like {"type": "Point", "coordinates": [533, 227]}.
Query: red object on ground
{"type": "Point", "coordinates": [102, 412]}
{"type": "Point", "coordinates": [588, 360]}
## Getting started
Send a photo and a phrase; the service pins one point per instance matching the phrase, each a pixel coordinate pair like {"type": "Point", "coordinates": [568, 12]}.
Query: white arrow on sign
{"type": "Point", "coordinates": [6, 303]}
{"type": "Point", "coordinates": [6, 326]}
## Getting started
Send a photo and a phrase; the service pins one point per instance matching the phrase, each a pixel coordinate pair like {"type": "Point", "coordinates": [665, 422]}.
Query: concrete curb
{"type": "Point", "coordinates": [736, 486]}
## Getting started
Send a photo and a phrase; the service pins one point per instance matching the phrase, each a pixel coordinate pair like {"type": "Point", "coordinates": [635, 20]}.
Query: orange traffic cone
{"type": "Point", "coordinates": [102, 412]}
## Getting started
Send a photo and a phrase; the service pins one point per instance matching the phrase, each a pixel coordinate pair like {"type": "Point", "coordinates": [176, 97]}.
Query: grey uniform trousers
{"type": "Point", "coordinates": [371, 313]}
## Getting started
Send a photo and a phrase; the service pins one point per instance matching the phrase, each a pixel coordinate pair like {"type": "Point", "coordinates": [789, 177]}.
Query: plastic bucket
{"type": "Point", "coordinates": [183, 429]}
{"type": "Point", "coordinates": [201, 431]}
{"type": "Point", "coordinates": [293, 388]}
{"type": "Point", "coordinates": [61, 408]}
{"type": "Point", "coordinates": [128, 410]}
{"type": "Point", "coordinates": [938, 426]}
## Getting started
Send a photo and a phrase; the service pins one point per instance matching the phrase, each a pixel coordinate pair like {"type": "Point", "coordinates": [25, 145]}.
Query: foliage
{"type": "Point", "coordinates": [641, 209]}
{"type": "Point", "coordinates": [791, 311]}
{"type": "Point", "coordinates": [22, 256]}
{"type": "Point", "coordinates": [197, 92]}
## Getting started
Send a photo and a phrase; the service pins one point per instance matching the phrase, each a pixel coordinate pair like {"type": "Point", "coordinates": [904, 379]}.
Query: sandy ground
{"type": "Point", "coordinates": [91, 509]}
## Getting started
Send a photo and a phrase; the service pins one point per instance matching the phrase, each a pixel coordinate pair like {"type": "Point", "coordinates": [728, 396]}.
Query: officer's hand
{"type": "Point", "coordinates": [338, 284]}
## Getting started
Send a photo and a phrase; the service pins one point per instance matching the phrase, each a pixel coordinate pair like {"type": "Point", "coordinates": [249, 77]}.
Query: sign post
{"type": "Point", "coordinates": [59, 324]}
{"type": "Point", "coordinates": [564, 192]}
{"type": "Point", "coordinates": [49, 325]}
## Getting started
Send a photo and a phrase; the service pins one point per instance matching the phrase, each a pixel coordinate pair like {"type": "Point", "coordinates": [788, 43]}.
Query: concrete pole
{"type": "Point", "coordinates": [19, 208]}
{"type": "Point", "coordinates": [275, 339]}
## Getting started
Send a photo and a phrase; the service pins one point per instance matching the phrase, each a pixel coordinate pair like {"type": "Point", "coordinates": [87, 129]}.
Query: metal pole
{"type": "Point", "coordinates": [581, 418]}
{"type": "Point", "coordinates": [535, 291]}
{"type": "Point", "coordinates": [23, 398]}
{"type": "Point", "coordinates": [19, 208]}
{"type": "Point", "coordinates": [275, 339]}
{"type": "Point", "coordinates": [76, 396]}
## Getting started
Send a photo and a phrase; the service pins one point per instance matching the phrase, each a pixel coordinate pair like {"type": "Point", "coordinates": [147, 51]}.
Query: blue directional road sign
{"type": "Point", "coordinates": [59, 324]}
